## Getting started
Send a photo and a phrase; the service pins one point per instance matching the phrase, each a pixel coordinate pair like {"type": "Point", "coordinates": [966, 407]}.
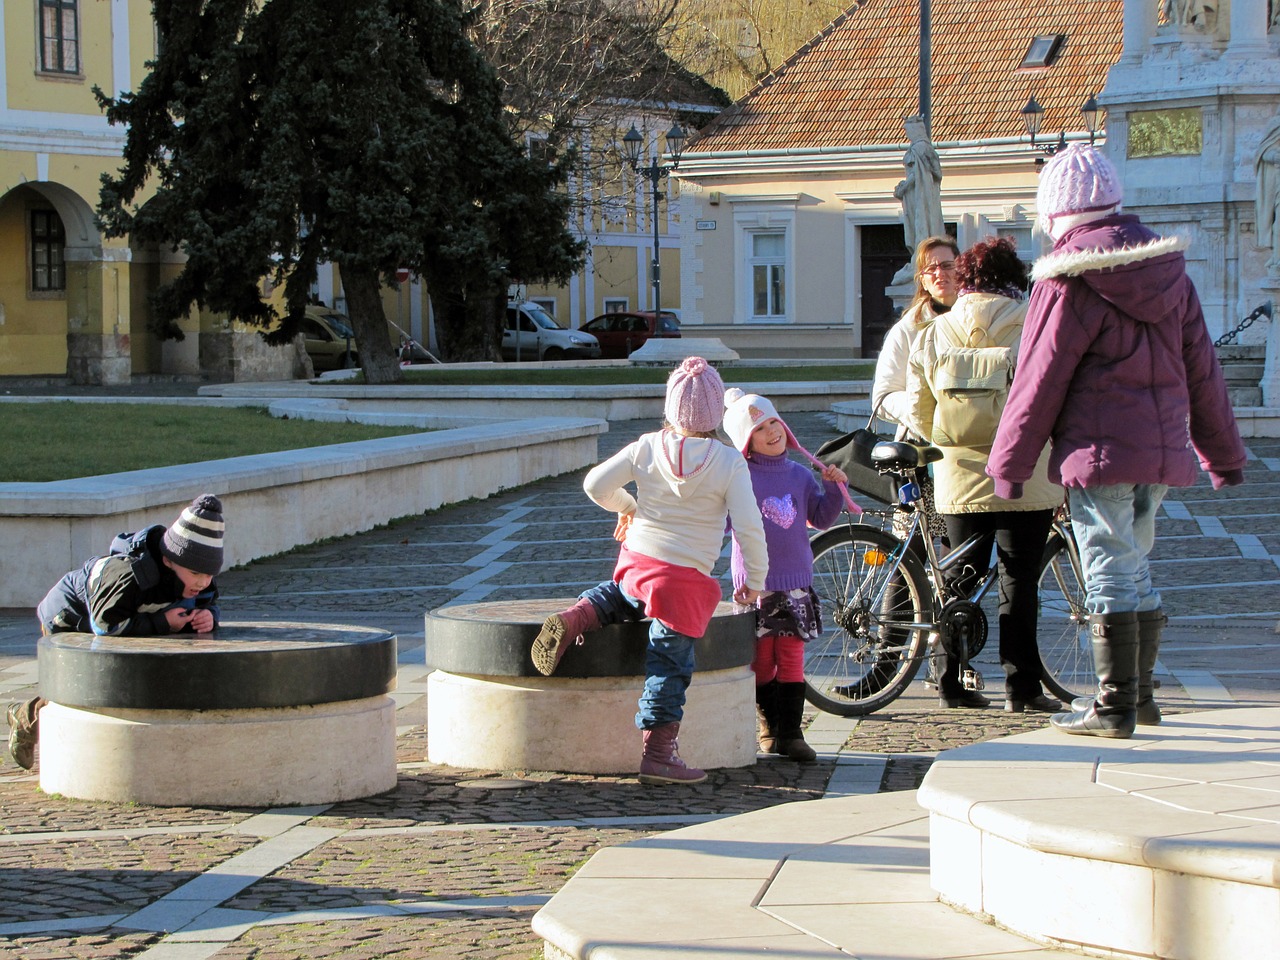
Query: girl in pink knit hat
{"type": "Point", "coordinates": [688, 484]}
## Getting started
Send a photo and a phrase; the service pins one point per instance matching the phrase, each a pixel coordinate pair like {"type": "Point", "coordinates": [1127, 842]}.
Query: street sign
{"type": "Point", "coordinates": [402, 275]}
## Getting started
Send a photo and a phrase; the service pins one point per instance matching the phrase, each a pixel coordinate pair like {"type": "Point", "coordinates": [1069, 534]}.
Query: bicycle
{"type": "Point", "coordinates": [885, 613]}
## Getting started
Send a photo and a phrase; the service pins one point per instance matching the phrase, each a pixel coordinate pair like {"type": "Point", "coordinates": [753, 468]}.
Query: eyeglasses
{"type": "Point", "coordinates": [933, 269]}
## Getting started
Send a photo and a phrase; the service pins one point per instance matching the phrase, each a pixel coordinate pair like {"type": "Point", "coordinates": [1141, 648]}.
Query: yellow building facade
{"type": "Point", "coordinates": [74, 303]}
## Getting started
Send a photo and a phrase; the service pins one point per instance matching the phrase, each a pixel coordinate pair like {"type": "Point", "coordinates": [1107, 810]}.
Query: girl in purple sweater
{"type": "Point", "coordinates": [791, 500]}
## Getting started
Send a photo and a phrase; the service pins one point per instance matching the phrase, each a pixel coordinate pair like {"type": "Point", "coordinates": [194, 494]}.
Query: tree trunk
{"type": "Point", "coordinates": [467, 328]}
{"type": "Point", "coordinates": [364, 306]}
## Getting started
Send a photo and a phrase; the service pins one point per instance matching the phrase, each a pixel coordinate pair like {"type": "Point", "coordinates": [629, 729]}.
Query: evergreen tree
{"type": "Point", "coordinates": [284, 133]}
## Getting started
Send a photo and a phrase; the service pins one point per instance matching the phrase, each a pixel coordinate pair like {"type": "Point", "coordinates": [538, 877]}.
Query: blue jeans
{"type": "Point", "coordinates": [1115, 528]}
{"type": "Point", "coordinates": [668, 664]}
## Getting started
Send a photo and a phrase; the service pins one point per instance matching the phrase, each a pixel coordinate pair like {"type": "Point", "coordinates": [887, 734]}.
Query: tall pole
{"type": "Point", "coordinates": [657, 263]}
{"type": "Point", "coordinates": [926, 78]}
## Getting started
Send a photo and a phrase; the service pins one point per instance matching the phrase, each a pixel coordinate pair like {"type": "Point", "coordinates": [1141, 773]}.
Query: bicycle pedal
{"type": "Point", "coordinates": [972, 680]}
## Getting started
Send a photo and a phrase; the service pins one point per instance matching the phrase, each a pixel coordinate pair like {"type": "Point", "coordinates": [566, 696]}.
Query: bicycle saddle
{"type": "Point", "coordinates": [900, 456]}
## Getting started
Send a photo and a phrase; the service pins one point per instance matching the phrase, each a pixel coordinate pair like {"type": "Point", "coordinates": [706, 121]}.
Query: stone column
{"type": "Point", "coordinates": [98, 316]}
{"type": "Point", "coordinates": [1139, 25]}
{"type": "Point", "coordinates": [1248, 29]}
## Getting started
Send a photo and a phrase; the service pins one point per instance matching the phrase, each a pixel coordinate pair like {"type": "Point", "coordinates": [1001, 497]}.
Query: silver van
{"type": "Point", "coordinates": [533, 334]}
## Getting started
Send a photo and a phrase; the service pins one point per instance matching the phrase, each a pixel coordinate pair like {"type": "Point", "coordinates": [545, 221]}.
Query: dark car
{"type": "Point", "coordinates": [626, 331]}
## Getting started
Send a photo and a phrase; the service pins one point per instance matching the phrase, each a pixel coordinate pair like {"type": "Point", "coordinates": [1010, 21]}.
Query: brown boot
{"type": "Point", "coordinates": [661, 761]}
{"type": "Point", "coordinates": [791, 742]}
{"type": "Point", "coordinates": [559, 632]}
{"type": "Point", "coordinates": [767, 716]}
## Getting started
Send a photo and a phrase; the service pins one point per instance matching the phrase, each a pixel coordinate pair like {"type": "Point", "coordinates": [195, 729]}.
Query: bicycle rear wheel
{"type": "Point", "coordinates": [876, 610]}
{"type": "Point", "coordinates": [1066, 654]}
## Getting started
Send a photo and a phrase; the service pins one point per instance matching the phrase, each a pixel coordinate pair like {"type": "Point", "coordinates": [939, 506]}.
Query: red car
{"type": "Point", "coordinates": [623, 332]}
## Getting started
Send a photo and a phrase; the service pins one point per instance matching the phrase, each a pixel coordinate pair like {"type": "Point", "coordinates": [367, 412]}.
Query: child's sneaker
{"type": "Point", "coordinates": [22, 738]}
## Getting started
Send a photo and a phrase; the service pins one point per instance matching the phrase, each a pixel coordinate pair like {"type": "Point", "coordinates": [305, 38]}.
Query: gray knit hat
{"type": "Point", "coordinates": [194, 540]}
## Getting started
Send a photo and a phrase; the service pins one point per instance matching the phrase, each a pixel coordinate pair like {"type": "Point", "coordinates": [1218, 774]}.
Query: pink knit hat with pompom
{"type": "Point", "coordinates": [1079, 179]}
{"type": "Point", "coordinates": [695, 397]}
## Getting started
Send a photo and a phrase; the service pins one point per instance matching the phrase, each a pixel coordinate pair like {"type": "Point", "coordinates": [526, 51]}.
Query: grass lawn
{"type": "Point", "coordinates": [58, 441]}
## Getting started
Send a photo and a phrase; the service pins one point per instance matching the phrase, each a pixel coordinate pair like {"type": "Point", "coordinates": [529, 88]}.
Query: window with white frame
{"type": "Point", "coordinates": [60, 36]}
{"type": "Point", "coordinates": [764, 259]}
{"type": "Point", "coordinates": [767, 264]}
{"type": "Point", "coordinates": [547, 304]}
{"type": "Point", "coordinates": [615, 304]}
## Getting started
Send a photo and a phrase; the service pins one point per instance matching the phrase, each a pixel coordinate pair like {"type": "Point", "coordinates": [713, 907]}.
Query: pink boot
{"type": "Point", "coordinates": [559, 632]}
{"type": "Point", "coordinates": [661, 763]}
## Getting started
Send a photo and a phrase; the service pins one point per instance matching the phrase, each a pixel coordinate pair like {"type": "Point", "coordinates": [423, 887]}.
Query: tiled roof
{"type": "Point", "coordinates": [853, 83]}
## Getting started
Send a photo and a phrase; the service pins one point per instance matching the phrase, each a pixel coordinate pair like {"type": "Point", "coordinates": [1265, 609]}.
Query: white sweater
{"type": "Point", "coordinates": [686, 487]}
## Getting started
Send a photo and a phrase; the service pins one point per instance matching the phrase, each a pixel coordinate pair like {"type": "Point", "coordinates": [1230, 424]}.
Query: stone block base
{"type": "Point", "coordinates": [581, 725]}
{"type": "Point", "coordinates": [289, 756]}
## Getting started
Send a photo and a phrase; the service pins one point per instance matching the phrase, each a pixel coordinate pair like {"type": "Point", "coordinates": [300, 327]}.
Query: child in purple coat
{"type": "Point", "coordinates": [1118, 371]}
{"type": "Point", "coordinates": [791, 500]}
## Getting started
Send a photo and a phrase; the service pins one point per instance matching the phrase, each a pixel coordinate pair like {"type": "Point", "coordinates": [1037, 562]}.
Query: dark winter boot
{"type": "Point", "coordinates": [661, 762]}
{"type": "Point", "coordinates": [1150, 626]}
{"type": "Point", "coordinates": [790, 715]}
{"type": "Point", "coordinates": [24, 730]}
{"type": "Point", "coordinates": [767, 716]}
{"type": "Point", "coordinates": [1114, 711]}
{"type": "Point", "coordinates": [560, 631]}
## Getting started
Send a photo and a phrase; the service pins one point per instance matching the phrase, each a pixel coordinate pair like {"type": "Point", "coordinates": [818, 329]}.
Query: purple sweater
{"type": "Point", "coordinates": [790, 498]}
{"type": "Point", "coordinates": [1117, 369]}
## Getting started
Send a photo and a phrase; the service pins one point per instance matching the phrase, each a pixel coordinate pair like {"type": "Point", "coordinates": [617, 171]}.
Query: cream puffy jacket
{"type": "Point", "coordinates": [961, 484]}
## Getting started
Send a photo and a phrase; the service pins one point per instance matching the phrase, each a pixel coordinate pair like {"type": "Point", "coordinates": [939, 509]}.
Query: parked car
{"type": "Point", "coordinates": [624, 331]}
{"type": "Point", "coordinates": [330, 339]}
{"type": "Point", "coordinates": [533, 334]}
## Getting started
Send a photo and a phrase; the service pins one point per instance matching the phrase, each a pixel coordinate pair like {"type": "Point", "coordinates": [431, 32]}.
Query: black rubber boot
{"type": "Point", "coordinates": [1150, 626]}
{"type": "Point", "coordinates": [791, 741]}
{"type": "Point", "coordinates": [1114, 711]}
{"type": "Point", "coordinates": [767, 716]}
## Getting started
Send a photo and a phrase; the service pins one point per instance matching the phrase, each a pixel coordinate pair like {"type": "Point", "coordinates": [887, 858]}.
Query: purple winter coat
{"type": "Point", "coordinates": [1117, 369]}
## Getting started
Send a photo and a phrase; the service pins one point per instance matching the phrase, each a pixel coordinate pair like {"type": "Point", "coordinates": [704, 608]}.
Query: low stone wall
{"type": "Point", "coordinates": [275, 502]}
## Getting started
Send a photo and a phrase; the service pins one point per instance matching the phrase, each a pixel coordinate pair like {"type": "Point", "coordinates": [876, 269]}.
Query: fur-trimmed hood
{"type": "Point", "coordinates": [1124, 262]}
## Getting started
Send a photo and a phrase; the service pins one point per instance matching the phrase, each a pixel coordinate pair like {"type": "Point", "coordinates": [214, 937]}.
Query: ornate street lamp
{"type": "Point", "coordinates": [1033, 116]}
{"type": "Point", "coordinates": [632, 143]}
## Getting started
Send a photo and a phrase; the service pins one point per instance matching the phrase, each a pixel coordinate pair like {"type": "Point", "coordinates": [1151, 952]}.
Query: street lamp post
{"type": "Point", "coordinates": [654, 172]}
{"type": "Point", "coordinates": [1033, 115]}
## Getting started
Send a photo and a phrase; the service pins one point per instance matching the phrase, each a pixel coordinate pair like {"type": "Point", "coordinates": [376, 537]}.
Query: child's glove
{"type": "Point", "coordinates": [624, 524]}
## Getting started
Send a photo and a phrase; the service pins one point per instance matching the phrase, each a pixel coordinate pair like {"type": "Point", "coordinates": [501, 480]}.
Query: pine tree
{"type": "Point", "coordinates": [285, 133]}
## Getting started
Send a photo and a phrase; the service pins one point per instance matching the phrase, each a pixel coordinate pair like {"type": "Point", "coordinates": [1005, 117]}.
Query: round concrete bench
{"type": "Point", "coordinates": [256, 714]}
{"type": "Point", "coordinates": [489, 708]}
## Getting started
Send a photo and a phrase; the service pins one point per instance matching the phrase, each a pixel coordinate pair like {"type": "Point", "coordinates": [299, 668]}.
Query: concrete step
{"type": "Point", "coordinates": [1164, 845]}
{"type": "Point", "coordinates": [801, 881]}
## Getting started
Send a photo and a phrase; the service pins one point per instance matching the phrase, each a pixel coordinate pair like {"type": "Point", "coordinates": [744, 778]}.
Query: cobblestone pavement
{"type": "Point", "coordinates": [454, 862]}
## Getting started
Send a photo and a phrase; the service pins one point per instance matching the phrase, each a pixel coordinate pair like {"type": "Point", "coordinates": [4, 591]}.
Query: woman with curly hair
{"type": "Point", "coordinates": [957, 382]}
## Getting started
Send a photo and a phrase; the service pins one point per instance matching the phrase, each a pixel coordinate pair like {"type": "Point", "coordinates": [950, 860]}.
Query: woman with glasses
{"type": "Point", "coordinates": [957, 382]}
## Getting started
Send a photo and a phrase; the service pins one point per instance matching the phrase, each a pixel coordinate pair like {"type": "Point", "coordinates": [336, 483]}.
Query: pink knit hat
{"type": "Point", "coordinates": [695, 397]}
{"type": "Point", "coordinates": [1079, 179]}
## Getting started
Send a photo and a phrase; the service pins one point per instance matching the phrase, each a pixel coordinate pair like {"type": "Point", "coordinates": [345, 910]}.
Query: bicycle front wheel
{"type": "Point", "coordinates": [1066, 654]}
{"type": "Point", "coordinates": [876, 610]}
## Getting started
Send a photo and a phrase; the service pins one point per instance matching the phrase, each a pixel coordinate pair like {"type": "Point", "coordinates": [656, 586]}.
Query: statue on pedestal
{"type": "Point", "coordinates": [1267, 167]}
{"type": "Point", "coordinates": [920, 192]}
{"type": "Point", "coordinates": [1200, 14]}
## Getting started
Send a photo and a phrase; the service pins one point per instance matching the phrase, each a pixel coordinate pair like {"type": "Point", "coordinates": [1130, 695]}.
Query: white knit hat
{"type": "Point", "coordinates": [194, 540]}
{"type": "Point", "coordinates": [1078, 180]}
{"type": "Point", "coordinates": [695, 397]}
{"type": "Point", "coordinates": [744, 412]}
